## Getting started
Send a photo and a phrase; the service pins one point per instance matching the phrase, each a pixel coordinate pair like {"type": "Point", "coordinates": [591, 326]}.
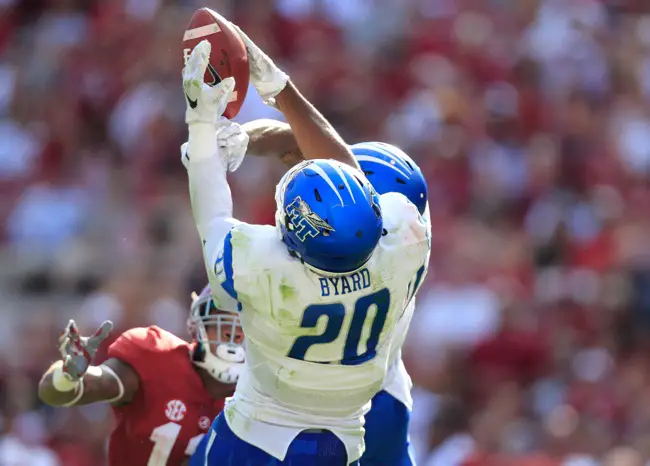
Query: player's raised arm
{"type": "Point", "coordinates": [203, 156]}
{"type": "Point", "coordinates": [207, 157]}
{"type": "Point", "coordinates": [73, 380]}
{"type": "Point", "coordinates": [316, 137]}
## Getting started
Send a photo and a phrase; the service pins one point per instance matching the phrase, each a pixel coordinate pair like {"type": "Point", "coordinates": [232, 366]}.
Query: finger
{"type": "Point", "coordinates": [70, 369]}
{"type": "Point", "coordinates": [67, 364]}
{"type": "Point", "coordinates": [100, 335]}
{"type": "Point", "coordinates": [194, 71]}
{"type": "Point", "coordinates": [248, 43]}
{"type": "Point", "coordinates": [242, 35]}
{"type": "Point", "coordinates": [233, 137]}
{"type": "Point", "coordinates": [225, 129]}
{"type": "Point", "coordinates": [83, 349]}
{"type": "Point", "coordinates": [73, 331]}
{"type": "Point", "coordinates": [65, 335]}
{"type": "Point", "coordinates": [223, 90]}
{"type": "Point", "coordinates": [75, 343]}
{"type": "Point", "coordinates": [222, 93]}
{"type": "Point", "coordinates": [228, 85]}
{"type": "Point", "coordinates": [242, 138]}
{"type": "Point", "coordinates": [64, 347]}
{"type": "Point", "coordinates": [104, 329]}
{"type": "Point", "coordinates": [197, 64]}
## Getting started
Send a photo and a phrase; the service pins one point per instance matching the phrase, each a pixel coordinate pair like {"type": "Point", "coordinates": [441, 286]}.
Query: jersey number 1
{"type": "Point", "coordinates": [164, 437]}
{"type": "Point", "coordinates": [335, 313]}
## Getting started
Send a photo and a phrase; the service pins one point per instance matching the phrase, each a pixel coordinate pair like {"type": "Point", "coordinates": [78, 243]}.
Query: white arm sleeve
{"type": "Point", "coordinates": [211, 207]}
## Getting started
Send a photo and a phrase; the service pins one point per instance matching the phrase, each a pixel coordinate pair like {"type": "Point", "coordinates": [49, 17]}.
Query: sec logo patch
{"type": "Point", "coordinates": [204, 422]}
{"type": "Point", "coordinates": [175, 410]}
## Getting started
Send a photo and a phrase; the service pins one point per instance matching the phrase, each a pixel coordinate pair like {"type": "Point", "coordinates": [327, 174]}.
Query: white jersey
{"type": "Point", "coordinates": [398, 382]}
{"type": "Point", "coordinates": [317, 348]}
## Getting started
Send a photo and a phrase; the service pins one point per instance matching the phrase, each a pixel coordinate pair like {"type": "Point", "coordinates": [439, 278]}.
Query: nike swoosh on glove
{"type": "Point", "coordinates": [205, 103]}
{"type": "Point", "coordinates": [232, 141]}
{"type": "Point", "coordinates": [266, 77]}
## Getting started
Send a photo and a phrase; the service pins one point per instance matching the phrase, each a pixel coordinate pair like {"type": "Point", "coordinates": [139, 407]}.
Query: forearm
{"type": "Point", "coordinates": [315, 137]}
{"type": "Point", "coordinates": [269, 137]}
{"type": "Point", "coordinates": [100, 383]}
{"type": "Point", "coordinates": [209, 191]}
{"type": "Point", "coordinates": [273, 138]}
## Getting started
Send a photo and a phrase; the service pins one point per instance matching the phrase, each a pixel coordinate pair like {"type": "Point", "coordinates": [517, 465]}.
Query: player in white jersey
{"type": "Point", "coordinates": [388, 169]}
{"type": "Point", "coordinates": [321, 295]}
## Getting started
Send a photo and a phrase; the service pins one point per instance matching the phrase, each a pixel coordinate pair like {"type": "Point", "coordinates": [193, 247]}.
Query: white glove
{"type": "Point", "coordinates": [205, 104]}
{"type": "Point", "coordinates": [232, 141]}
{"type": "Point", "coordinates": [267, 78]}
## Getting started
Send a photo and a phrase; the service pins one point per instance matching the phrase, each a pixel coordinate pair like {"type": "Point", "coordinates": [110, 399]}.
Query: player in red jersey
{"type": "Point", "coordinates": [164, 391]}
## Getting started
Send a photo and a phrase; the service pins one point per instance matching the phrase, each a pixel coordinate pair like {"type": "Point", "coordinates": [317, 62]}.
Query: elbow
{"type": "Point", "coordinates": [344, 155]}
{"type": "Point", "coordinates": [350, 159]}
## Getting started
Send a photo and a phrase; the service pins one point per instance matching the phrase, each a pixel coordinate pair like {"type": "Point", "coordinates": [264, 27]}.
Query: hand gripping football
{"type": "Point", "coordinates": [228, 56]}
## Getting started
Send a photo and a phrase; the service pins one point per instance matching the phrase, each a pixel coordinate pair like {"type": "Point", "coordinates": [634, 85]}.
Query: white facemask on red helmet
{"type": "Point", "coordinates": [219, 337]}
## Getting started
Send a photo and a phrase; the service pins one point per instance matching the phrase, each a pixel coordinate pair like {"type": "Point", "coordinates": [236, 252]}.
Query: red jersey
{"type": "Point", "coordinates": [172, 410]}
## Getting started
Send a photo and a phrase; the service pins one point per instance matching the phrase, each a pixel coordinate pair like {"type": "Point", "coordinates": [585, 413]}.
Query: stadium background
{"type": "Point", "coordinates": [529, 118]}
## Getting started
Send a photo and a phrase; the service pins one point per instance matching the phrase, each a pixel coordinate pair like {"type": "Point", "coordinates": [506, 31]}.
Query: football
{"type": "Point", "coordinates": [227, 58]}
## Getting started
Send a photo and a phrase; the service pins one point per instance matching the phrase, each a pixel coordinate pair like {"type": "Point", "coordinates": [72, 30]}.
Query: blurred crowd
{"type": "Point", "coordinates": [529, 118]}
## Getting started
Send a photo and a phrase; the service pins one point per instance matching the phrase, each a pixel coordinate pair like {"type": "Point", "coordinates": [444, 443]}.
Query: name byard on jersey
{"type": "Point", "coordinates": [345, 284]}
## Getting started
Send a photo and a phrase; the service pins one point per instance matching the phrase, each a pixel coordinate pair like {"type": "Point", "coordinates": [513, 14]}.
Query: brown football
{"type": "Point", "coordinates": [227, 58]}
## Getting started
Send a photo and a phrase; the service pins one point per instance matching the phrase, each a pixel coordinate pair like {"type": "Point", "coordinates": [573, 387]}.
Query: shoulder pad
{"type": "Point", "coordinates": [138, 346]}
{"type": "Point", "coordinates": [402, 221]}
{"type": "Point", "coordinates": [256, 248]}
{"type": "Point", "coordinates": [146, 339]}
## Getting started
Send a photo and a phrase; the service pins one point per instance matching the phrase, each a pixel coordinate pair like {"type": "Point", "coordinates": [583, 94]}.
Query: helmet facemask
{"type": "Point", "coordinates": [220, 340]}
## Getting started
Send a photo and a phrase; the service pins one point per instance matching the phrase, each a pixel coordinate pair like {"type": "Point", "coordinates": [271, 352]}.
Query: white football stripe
{"type": "Point", "coordinates": [327, 179]}
{"type": "Point", "coordinates": [345, 181]}
{"type": "Point", "coordinates": [201, 31]}
{"type": "Point", "coordinates": [386, 152]}
{"type": "Point", "coordinates": [370, 158]}
{"type": "Point", "coordinates": [394, 151]}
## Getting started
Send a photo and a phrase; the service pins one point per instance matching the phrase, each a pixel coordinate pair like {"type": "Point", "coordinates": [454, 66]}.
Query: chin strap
{"type": "Point", "coordinates": [224, 371]}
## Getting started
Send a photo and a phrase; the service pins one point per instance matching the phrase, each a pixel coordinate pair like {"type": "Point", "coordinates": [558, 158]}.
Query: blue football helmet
{"type": "Point", "coordinates": [389, 169]}
{"type": "Point", "coordinates": [328, 215]}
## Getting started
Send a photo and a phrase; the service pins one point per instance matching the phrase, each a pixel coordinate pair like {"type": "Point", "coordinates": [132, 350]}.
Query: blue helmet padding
{"type": "Point", "coordinates": [390, 169]}
{"type": "Point", "coordinates": [331, 216]}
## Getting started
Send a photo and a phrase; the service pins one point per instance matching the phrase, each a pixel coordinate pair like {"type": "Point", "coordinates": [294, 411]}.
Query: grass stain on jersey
{"type": "Point", "coordinates": [229, 412]}
{"type": "Point", "coordinates": [285, 315]}
{"type": "Point", "coordinates": [287, 291]}
{"type": "Point", "coordinates": [239, 239]}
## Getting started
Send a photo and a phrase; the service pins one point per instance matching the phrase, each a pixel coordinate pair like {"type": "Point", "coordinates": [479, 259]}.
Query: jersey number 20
{"type": "Point", "coordinates": [335, 313]}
